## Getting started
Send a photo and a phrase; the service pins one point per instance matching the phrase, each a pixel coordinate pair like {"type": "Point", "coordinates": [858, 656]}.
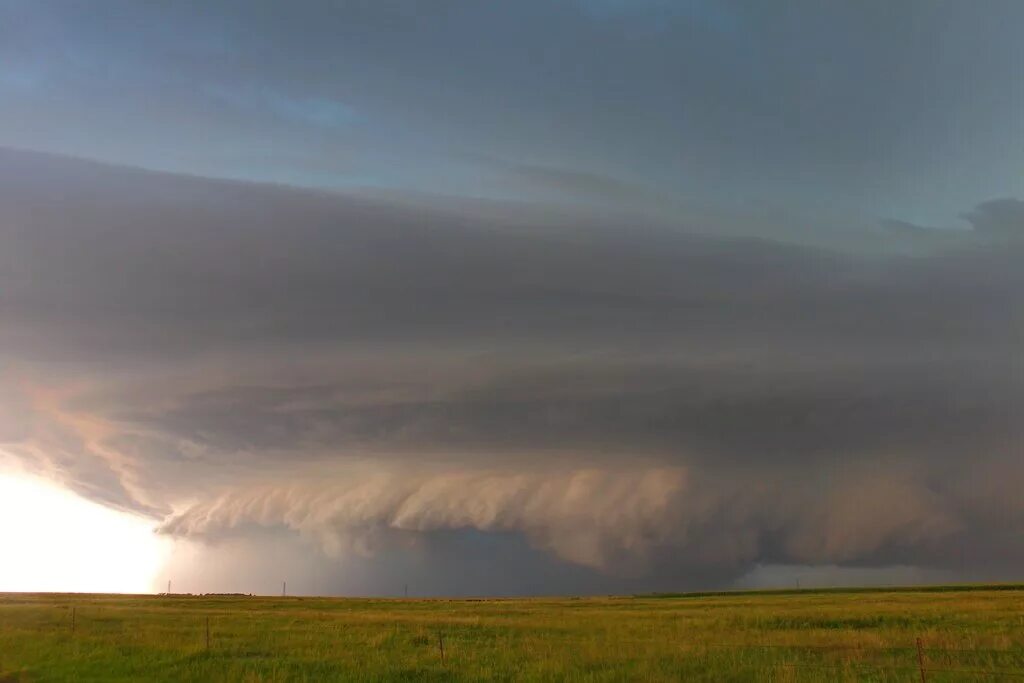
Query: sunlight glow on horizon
{"type": "Point", "coordinates": [54, 540]}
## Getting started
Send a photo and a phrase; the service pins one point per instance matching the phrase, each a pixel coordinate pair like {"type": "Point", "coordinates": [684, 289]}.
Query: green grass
{"type": "Point", "coordinates": [830, 635]}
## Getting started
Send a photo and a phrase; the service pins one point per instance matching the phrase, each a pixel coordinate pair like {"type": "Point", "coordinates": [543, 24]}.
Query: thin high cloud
{"type": "Point", "coordinates": [642, 402]}
{"type": "Point", "coordinates": [907, 111]}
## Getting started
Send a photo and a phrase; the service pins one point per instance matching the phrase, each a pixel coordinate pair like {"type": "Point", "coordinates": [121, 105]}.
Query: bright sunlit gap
{"type": "Point", "coordinates": [53, 540]}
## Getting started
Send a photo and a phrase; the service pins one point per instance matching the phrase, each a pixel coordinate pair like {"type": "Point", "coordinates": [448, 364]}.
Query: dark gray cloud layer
{"type": "Point", "coordinates": [400, 379]}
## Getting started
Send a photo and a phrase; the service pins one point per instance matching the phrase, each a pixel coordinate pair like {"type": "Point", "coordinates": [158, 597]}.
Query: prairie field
{"type": "Point", "coordinates": [951, 633]}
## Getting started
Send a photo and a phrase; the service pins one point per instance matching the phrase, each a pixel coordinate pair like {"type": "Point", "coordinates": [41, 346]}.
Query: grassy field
{"type": "Point", "coordinates": [974, 633]}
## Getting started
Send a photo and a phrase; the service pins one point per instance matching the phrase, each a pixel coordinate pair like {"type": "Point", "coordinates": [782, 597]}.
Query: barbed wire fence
{"type": "Point", "coordinates": [919, 659]}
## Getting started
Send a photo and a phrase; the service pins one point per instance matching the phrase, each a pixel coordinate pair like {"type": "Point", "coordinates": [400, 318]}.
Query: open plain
{"type": "Point", "coordinates": [952, 633]}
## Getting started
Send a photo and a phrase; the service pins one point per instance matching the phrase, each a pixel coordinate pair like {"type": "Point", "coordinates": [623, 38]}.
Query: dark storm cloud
{"type": "Point", "coordinates": [249, 262]}
{"type": "Point", "coordinates": [637, 400]}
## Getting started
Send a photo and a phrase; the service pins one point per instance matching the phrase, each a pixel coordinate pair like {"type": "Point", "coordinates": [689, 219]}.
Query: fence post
{"type": "Point", "coordinates": [207, 633]}
{"type": "Point", "coordinates": [440, 645]}
{"type": "Point", "coordinates": [920, 661]}
{"type": "Point", "coordinates": [72, 619]}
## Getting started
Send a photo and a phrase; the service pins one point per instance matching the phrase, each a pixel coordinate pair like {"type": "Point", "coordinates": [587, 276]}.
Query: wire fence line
{"type": "Point", "coordinates": [924, 665]}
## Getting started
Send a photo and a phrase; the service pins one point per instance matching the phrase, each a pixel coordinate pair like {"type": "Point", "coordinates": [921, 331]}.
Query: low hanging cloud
{"type": "Point", "coordinates": [630, 398]}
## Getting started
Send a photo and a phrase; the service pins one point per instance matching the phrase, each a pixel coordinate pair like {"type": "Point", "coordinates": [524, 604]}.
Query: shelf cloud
{"type": "Point", "coordinates": [640, 401]}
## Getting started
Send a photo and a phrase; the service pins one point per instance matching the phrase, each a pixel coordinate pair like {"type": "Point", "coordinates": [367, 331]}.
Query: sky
{"type": "Point", "coordinates": [573, 296]}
